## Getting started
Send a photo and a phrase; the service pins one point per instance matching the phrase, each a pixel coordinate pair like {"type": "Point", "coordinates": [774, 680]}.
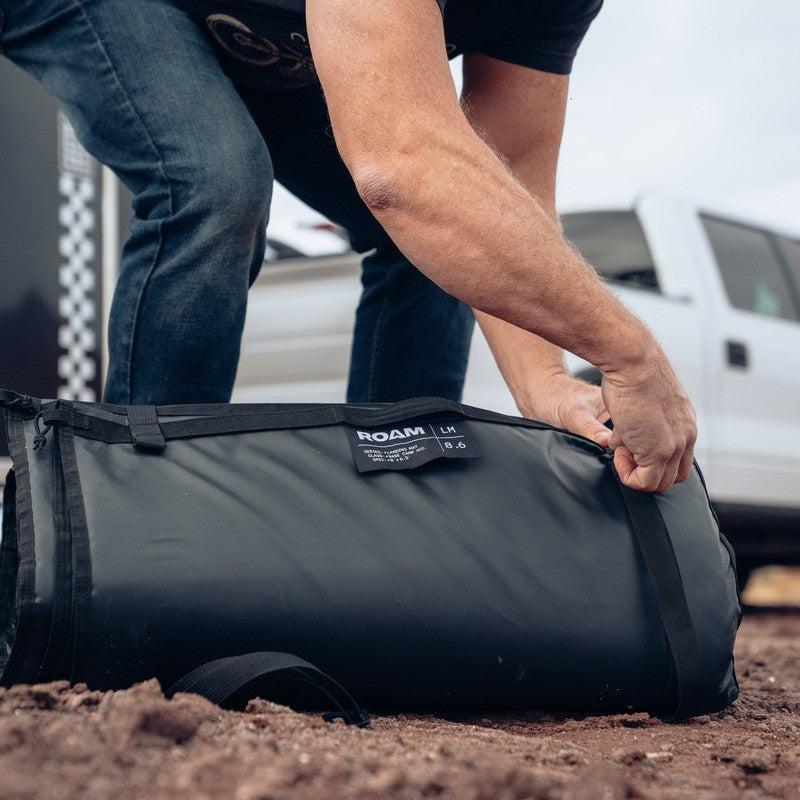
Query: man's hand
{"type": "Point", "coordinates": [655, 425]}
{"type": "Point", "coordinates": [655, 431]}
{"type": "Point", "coordinates": [572, 404]}
{"type": "Point", "coordinates": [654, 441]}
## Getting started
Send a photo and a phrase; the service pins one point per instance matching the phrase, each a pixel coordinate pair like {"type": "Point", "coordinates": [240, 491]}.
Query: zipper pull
{"type": "Point", "coordinates": [40, 440]}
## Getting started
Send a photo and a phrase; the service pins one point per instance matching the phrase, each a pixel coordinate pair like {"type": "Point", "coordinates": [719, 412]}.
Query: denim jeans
{"type": "Point", "coordinates": [147, 96]}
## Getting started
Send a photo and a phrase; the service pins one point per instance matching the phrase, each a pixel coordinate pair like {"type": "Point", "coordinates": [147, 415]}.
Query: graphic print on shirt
{"type": "Point", "coordinates": [290, 60]}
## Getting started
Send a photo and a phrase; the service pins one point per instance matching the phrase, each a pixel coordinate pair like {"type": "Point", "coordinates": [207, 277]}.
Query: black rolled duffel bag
{"type": "Point", "coordinates": [424, 554]}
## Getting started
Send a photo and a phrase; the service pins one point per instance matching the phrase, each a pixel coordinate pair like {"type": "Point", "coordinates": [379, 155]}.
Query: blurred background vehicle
{"type": "Point", "coordinates": [666, 102]}
{"type": "Point", "coordinates": [721, 294]}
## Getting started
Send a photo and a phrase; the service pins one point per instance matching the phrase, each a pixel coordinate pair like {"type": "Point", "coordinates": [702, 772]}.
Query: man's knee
{"type": "Point", "coordinates": [209, 214]}
{"type": "Point", "coordinates": [228, 185]}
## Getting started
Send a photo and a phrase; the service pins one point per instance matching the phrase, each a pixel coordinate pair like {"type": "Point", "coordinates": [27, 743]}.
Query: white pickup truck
{"type": "Point", "coordinates": [721, 295]}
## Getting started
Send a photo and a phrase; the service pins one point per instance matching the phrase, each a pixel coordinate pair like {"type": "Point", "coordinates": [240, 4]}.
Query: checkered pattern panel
{"type": "Point", "coordinates": [77, 366]}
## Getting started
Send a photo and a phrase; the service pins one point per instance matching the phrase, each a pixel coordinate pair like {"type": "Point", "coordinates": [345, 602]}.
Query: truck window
{"type": "Point", "coordinates": [790, 249]}
{"type": "Point", "coordinates": [613, 243]}
{"type": "Point", "coordinates": [751, 272]}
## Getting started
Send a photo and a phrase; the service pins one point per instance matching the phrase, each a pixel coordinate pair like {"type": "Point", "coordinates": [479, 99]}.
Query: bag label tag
{"type": "Point", "coordinates": [407, 445]}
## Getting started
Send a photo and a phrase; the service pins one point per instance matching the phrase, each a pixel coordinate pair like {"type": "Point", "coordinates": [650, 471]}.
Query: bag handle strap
{"type": "Point", "coordinates": [145, 429]}
{"type": "Point", "coordinates": [220, 679]}
{"type": "Point", "coordinates": [656, 548]}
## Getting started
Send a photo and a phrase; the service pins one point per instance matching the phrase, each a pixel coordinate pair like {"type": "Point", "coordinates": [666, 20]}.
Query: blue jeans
{"type": "Point", "coordinates": [147, 96]}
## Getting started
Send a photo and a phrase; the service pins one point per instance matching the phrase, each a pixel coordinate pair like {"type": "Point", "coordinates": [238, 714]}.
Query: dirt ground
{"type": "Point", "coordinates": [65, 742]}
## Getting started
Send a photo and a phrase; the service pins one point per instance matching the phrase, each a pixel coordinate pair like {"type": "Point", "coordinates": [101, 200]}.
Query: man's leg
{"type": "Point", "coordinates": [146, 96]}
{"type": "Point", "coordinates": [411, 338]}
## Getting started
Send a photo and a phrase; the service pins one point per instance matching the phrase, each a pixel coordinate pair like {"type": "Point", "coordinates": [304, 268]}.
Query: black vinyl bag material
{"type": "Point", "coordinates": [424, 554]}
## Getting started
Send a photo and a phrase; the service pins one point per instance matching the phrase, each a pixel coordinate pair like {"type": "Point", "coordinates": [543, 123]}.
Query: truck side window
{"type": "Point", "coordinates": [751, 271]}
{"type": "Point", "coordinates": [790, 249]}
{"type": "Point", "coordinates": [613, 243]}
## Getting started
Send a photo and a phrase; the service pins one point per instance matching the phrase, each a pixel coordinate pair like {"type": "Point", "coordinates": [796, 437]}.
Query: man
{"type": "Point", "coordinates": [197, 110]}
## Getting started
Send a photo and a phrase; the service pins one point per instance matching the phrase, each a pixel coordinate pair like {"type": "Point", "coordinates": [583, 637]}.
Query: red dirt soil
{"type": "Point", "coordinates": [59, 742]}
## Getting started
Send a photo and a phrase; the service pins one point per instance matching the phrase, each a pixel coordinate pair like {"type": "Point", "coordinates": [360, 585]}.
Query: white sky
{"type": "Point", "coordinates": [699, 98]}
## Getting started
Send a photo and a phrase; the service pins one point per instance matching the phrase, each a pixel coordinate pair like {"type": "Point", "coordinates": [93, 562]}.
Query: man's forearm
{"type": "Point", "coordinates": [464, 220]}
{"type": "Point", "coordinates": [525, 360]}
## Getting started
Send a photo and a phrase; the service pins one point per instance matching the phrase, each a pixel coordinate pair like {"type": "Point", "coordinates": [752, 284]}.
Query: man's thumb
{"type": "Point", "coordinates": [593, 429]}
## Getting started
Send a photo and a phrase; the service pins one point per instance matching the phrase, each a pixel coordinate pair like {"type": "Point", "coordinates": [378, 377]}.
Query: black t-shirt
{"type": "Point", "coordinates": [264, 43]}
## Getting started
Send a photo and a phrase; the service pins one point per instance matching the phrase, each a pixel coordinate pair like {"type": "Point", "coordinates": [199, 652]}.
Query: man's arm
{"type": "Point", "coordinates": [451, 205]}
{"type": "Point", "coordinates": [519, 112]}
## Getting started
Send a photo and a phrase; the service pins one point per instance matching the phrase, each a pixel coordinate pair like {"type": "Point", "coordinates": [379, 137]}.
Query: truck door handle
{"type": "Point", "coordinates": [737, 354]}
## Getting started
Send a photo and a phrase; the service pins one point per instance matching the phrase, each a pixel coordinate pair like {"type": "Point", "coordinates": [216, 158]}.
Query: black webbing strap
{"type": "Point", "coordinates": [145, 430]}
{"type": "Point", "coordinates": [662, 567]}
{"type": "Point", "coordinates": [21, 403]}
{"type": "Point", "coordinates": [243, 419]}
{"type": "Point", "coordinates": [218, 680]}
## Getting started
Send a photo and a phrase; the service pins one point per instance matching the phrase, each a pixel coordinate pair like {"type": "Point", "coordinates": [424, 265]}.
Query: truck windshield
{"type": "Point", "coordinates": [613, 243]}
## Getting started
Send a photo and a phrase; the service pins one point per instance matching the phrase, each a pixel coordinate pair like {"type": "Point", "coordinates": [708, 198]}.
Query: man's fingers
{"type": "Point", "coordinates": [589, 426]}
{"type": "Point", "coordinates": [670, 472]}
{"type": "Point", "coordinates": [624, 463]}
{"type": "Point", "coordinates": [687, 461]}
{"type": "Point", "coordinates": [644, 479]}
{"type": "Point", "coordinates": [583, 411]}
{"type": "Point", "coordinates": [602, 436]}
{"type": "Point", "coordinates": [598, 406]}
{"type": "Point", "coordinates": [659, 476]}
